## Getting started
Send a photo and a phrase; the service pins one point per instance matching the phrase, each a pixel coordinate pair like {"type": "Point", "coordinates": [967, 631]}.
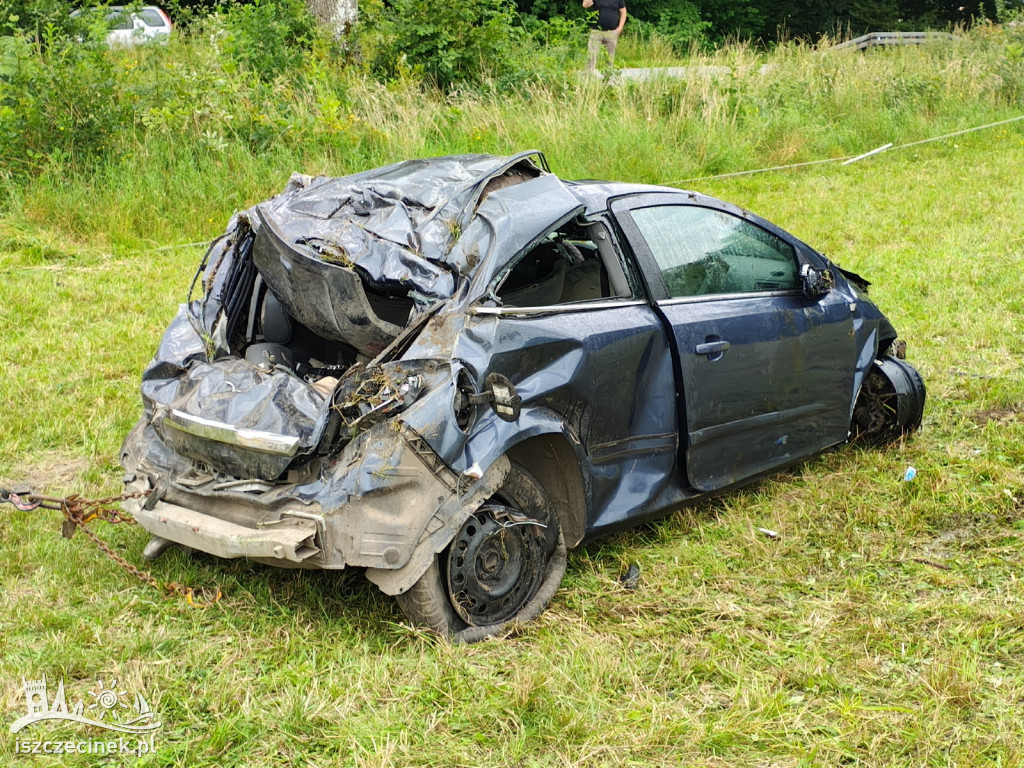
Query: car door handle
{"type": "Point", "coordinates": [711, 348]}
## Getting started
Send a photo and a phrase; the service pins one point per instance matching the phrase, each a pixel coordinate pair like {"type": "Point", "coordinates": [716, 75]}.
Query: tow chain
{"type": "Point", "coordinates": [79, 512]}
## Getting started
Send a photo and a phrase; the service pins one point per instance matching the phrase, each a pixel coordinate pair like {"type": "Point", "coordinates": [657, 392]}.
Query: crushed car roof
{"type": "Point", "coordinates": [396, 225]}
{"type": "Point", "coordinates": [353, 258]}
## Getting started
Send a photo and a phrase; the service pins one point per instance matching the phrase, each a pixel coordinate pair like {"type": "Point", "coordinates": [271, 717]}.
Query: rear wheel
{"type": "Point", "coordinates": [503, 566]}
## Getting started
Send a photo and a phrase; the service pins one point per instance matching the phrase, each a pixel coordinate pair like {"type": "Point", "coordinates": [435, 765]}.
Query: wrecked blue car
{"type": "Point", "coordinates": [447, 372]}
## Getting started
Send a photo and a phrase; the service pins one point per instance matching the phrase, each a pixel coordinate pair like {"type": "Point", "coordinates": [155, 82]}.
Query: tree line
{"type": "Point", "coordinates": [682, 22]}
{"type": "Point", "coordinates": [770, 21]}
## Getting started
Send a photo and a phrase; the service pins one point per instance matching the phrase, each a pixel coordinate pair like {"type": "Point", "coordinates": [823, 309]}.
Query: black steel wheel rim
{"type": "Point", "coordinates": [494, 568]}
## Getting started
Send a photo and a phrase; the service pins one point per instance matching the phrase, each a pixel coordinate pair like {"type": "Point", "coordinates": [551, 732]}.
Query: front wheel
{"type": "Point", "coordinates": [503, 566]}
{"type": "Point", "coordinates": [890, 403]}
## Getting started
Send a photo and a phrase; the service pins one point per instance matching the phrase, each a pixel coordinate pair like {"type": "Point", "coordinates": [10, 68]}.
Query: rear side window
{"type": "Point", "coordinates": [702, 252]}
{"type": "Point", "coordinates": [566, 267]}
{"type": "Point", "coordinates": [151, 17]}
{"type": "Point", "coordinates": [120, 20]}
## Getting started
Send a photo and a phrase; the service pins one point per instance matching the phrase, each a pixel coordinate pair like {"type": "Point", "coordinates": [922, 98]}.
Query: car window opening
{"type": "Point", "coordinates": [569, 266]}
{"type": "Point", "coordinates": [120, 20]}
{"type": "Point", "coordinates": [151, 17]}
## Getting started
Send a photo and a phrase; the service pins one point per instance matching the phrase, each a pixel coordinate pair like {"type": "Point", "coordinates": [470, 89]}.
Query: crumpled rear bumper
{"type": "Point", "coordinates": [291, 539]}
{"type": "Point", "coordinates": [387, 504]}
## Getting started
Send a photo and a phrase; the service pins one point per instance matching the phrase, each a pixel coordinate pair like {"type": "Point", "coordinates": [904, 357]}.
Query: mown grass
{"type": "Point", "coordinates": [882, 627]}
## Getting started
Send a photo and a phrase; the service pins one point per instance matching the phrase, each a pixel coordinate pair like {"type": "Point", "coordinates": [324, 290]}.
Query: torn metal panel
{"type": "Point", "coordinates": [179, 347]}
{"type": "Point", "coordinates": [243, 419]}
{"type": "Point", "coordinates": [385, 497]}
{"type": "Point", "coordinates": [378, 237]}
{"type": "Point", "coordinates": [438, 531]}
{"type": "Point", "coordinates": [434, 415]}
{"type": "Point", "coordinates": [352, 258]}
{"type": "Point", "coordinates": [397, 223]}
{"type": "Point", "coordinates": [328, 298]}
{"type": "Point", "coordinates": [507, 223]}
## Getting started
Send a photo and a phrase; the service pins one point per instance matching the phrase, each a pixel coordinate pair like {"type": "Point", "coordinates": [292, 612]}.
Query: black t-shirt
{"type": "Point", "coordinates": [607, 13]}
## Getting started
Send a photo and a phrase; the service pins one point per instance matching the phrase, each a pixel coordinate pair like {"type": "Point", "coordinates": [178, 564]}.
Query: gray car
{"type": "Point", "coordinates": [448, 372]}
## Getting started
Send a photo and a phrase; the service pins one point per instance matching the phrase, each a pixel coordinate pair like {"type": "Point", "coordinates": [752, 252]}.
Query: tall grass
{"type": "Point", "coordinates": [200, 135]}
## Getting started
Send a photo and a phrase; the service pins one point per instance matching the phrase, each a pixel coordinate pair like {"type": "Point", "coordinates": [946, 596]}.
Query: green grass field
{"type": "Point", "coordinates": [884, 627]}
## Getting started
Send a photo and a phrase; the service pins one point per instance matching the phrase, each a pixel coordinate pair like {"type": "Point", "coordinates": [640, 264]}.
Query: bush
{"type": "Point", "coordinates": [450, 43]}
{"type": "Point", "coordinates": [266, 37]}
{"type": "Point", "coordinates": [33, 16]}
{"type": "Point", "coordinates": [678, 23]}
{"type": "Point", "coordinates": [57, 96]}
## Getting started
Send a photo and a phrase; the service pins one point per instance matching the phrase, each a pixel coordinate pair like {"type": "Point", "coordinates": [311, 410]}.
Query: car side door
{"type": "Point", "coordinates": [765, 371]}
{"type": "Point", "coordinates": [121, 27]}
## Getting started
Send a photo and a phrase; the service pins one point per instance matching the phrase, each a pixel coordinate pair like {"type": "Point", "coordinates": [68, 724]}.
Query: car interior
{"type": "Point", "coordinates": [575, 263]}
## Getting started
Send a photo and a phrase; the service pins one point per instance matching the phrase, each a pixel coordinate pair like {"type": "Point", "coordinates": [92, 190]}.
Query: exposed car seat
{"type": "Point", "coordinates": [543, 292]}
{"type": "Point", "coordinates": [277, 331]}
{"type": "Point", "coordinates": [584, 282]}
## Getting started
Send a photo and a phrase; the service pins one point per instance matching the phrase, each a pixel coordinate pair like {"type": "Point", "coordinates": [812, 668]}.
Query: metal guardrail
{"type": "Point", "coordinates": [894, 38]}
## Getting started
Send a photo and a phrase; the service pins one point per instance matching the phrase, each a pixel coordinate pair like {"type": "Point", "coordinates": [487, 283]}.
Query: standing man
{"type": "Point", "coordinates": [611, 18]}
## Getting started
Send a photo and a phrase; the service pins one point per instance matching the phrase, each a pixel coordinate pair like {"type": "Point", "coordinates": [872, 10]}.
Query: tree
{"type": "Point", "coordinates": [336, 15]}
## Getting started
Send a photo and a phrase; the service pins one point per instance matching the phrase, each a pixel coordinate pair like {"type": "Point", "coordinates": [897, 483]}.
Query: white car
{"type": "Point", "coordinates": [132, 25]}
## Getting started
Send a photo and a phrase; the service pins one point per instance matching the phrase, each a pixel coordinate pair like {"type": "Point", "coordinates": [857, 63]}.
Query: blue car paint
{"type": "Point", "coordinates": [801, 361]}
{"type": "Point", "coordinates": [604, 380]}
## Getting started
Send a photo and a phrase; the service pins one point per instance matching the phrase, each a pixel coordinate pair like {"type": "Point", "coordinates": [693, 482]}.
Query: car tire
{"type": "Point", "coordinates": [890, 403]}
{"type": "Point", "coordinates": [501, 569]}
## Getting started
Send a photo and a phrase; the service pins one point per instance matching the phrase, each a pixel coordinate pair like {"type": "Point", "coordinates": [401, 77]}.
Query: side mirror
{"type": "Point", "coordinates": [816, 282]}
